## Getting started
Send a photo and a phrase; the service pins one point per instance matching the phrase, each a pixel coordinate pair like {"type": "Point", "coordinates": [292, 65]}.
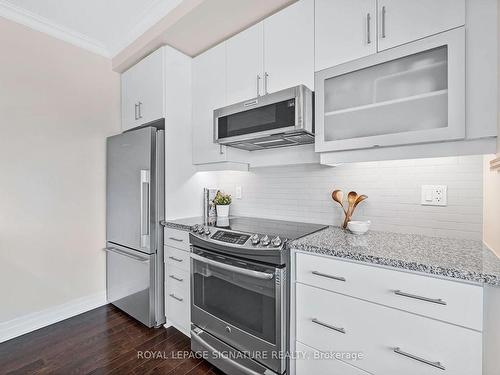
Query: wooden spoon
{"type": "Point", "coordinates": [338, 196]}
{"type": "Point", "coordinates": [360, 199]}
{"type": "Point", "coordinates": [351, 198]}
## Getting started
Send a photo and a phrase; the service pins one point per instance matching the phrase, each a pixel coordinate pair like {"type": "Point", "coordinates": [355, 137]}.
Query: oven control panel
{"type": "Point", "coordinates": [247, 240]}
{"type": "Point", "coordinates": [230, 237]}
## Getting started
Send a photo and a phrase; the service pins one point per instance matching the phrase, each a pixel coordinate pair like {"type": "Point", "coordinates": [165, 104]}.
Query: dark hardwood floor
{"type": "Point", "coordinates": [101, 341]}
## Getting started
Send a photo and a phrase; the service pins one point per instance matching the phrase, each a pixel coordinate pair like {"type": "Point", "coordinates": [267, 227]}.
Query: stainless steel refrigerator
{"type": "Point", "coordinates": [134, 238]}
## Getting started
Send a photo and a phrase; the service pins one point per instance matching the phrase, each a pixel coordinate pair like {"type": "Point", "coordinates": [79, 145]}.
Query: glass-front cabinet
{"type": "Point", "coordinates": [410, 94]}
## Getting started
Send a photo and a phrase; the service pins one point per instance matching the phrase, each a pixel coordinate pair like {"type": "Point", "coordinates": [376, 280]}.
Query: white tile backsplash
{"type": "Point", "coordinates": [302, 193]}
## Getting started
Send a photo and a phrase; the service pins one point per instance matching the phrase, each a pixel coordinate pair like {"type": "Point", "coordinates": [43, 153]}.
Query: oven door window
{"type": "Point", "coordinates": [265, 118]}
{"type": "Point", "coordinates": [245, 302]}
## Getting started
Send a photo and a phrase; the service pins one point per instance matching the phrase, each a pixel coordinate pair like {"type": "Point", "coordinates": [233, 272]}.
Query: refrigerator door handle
{"type": "Point", "coordinates": [145, 204]}
{"type": "Point", "coordinates": [117, 251]}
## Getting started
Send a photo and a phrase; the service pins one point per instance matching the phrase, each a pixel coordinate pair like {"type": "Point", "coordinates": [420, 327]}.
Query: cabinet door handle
{"type": "Point", "coordinates": [176, 259]}
{"type": "Point", "coordinates": [439, 301]}
{"type": "Point", "coordinates": [383, 21]}
{"type": "Point", "coordinates": [140, 114]}
{"type": "Point", "coordinates": [258, 84]}
{"type": "Point", "coordinates": [419, 359]}
{"type": "Point", "coordinates": [177, 298]}
{"type": "Point", "coordinates": [266, 77]}
{"type": "Point", "coordinates": [368, 31]}
{"type": "Point", "coordinates": [175, 239]}
{"type": "Point", "coordinates": [176, 278]}
{"type": "Point", "coordinates": [135, 111]}
{"type": "Point", "coordinates": [323, 324]}
{"type": "Point", "coordinates": [338, 278]}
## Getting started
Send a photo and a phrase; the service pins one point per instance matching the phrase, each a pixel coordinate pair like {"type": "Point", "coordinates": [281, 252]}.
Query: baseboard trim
{"type": "Point", "coordinates": [33, 321]}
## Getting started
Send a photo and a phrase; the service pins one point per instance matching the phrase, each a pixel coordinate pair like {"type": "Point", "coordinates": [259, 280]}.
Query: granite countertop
{"type": "Point", "coordinates": [460, 259]}
{"type": "Point", "coordinates": [184, 223]}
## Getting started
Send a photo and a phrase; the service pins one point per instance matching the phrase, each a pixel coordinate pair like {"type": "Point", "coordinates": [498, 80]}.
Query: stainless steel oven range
{"type": "Point", "coordinates": [240, 293]}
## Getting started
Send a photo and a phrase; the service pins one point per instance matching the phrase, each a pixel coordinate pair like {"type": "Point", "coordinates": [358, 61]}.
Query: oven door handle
{"type": "Point", "coordinates": [228, 267]}
{"type": "Point", "coordinates": [213, 350]}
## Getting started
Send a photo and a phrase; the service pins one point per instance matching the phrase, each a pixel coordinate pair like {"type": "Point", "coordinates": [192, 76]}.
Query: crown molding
{"type": "Point", "coordinates": [42, 24]}
{"type": "Point", "coordinates": [150, 17]}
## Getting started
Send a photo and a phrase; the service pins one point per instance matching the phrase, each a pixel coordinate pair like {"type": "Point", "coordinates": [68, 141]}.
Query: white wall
{"type": "Point", "coordinates": [302, 193]}
{"type": "Point", "coordinates": [58, 103]}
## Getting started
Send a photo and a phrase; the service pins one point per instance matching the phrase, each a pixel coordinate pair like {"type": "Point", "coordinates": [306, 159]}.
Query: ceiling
{"type": "Point", "coordinates": [127, 30]}
{"type": "Point", "coordinates": [196, 25]}
{"type": "Point", "coordinates": [104, 26]}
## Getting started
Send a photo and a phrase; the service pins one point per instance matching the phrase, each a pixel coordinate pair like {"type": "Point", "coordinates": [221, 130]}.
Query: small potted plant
{"type": "Point", "coordinates": [222, 202]}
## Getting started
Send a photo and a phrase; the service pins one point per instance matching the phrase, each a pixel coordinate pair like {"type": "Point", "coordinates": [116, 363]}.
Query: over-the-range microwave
{"type": "Point", "coordinates": [283, 118]}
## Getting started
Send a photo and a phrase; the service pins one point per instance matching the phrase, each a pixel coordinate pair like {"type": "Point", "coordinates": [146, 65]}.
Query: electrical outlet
{"type": "Point", "coordinates": [434, 195]}
{"type": "Point", "coordinates": [237, 192]}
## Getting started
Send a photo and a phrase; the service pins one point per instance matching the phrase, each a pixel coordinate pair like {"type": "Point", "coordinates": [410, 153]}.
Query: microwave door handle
{"type": "Point", "coordinates": [145, 203]}
{"type": "Point", "coordinates": [228, 267]}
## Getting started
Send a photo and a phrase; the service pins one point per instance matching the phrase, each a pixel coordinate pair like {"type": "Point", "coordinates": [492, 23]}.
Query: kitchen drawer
{"type": "Point", "coordinates": [176, 257]}
{"type": "Point", "coordinates": [177, 238]}
{"type": "Point", "coordinates": [178, 277]}
{"type": "Point", "coordinates": [330, 321]}
{"type": "Point", "coordinates": [310, 361]}
{"type": "Point", "coordinates": [177, 296]}
{"type": "Point", "coordinates": [450, 301]}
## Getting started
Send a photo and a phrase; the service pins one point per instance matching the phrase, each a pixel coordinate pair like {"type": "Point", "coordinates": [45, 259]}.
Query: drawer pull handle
{"type": "Point", "coordinates": [338, 278]}
{"type": "Point", "coordinates": [175, 239]}
{"type": "Point", "coordinates": [419, 359]}
{"type": "Point", "coordinates": [176, 259]}
{"type": "Point", "coordinates": [176, 278]}
{"type": "Point", "coordinates": [338, 329]}
{"type": "Point", "coordinates": [176, 298]}
{"type": "Point", "coordinates": [439, 301]}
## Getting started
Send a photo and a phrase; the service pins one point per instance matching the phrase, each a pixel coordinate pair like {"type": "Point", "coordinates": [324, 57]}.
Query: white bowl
{"type": "Point", "coordinates": [359, 227]}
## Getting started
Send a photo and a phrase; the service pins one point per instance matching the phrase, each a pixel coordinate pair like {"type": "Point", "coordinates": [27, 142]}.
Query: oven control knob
{"type": "Point", "coordinates": [207, 231]}
{"type": "Point", "coordinates": [255, 239]}
{"type": "Point", "coordinates": [195, 228]}
{"type": "Point", "coordinates": [276, 242]}
{"type": "Point", "coordinates": [265, 240]}
{"type": "Point", "coordinates": [201, 229]}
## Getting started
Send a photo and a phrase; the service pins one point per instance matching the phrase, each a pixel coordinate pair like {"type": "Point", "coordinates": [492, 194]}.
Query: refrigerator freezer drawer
{"type": "Point", "coordinates": [131, 282]}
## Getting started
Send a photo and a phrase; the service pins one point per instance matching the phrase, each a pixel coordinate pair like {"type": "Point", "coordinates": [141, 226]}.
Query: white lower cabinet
{"type": "Point", "coordinates": [449, 301]}
{"type": "Point", "coordinates": [336, 316]}
{"type": "Point", "coordinates": [177, 298]}
{"type": "Point", "coordinates": [177, 281]}
{"type": "Point", "coordinates": [177, 257]}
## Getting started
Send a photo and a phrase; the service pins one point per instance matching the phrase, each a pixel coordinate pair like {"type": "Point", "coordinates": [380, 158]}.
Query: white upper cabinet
{"type": "Point", "coordinates": [414, 93]}
{"type": "Point", "coordinates": [209, 93]}
{"type": "Point", "coordinates": [143, 91]}
{"type": "Point", "coordinates": [272, 55]}
{"type": "Point", "coordinates": [403, 21]}
{"type": "Point", "coordinates": [244, 69]}
{"type": "Point", "coordinates": [289, 47]}
{"type": "Point", "coordinates": [130, 98]}
{"type": "Point", "coordinates": [345, 30]}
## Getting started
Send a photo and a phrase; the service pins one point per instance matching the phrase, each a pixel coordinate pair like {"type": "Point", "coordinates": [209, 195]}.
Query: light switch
{"type": "Point", "coordinates": [434, 195]}
{"type": "Point", "coordinates": [237, 192]}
